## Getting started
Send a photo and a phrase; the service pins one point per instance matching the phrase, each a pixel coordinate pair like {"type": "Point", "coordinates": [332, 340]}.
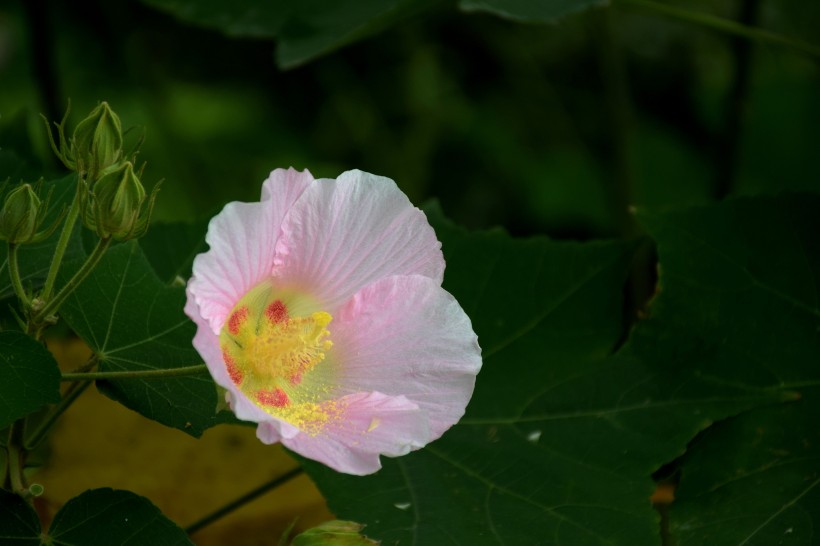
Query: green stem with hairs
{"type": "Point", "coordinates": [59, 251]}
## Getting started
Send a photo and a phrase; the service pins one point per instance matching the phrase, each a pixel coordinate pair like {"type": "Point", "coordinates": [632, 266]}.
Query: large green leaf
{"type": "Point", "coordinates": [530, 11]}
{"type": "Point", "coordinates": [29, 377]}
{"type": "Point", "coordinates": [98, 517]}
{"type": "Point", "coordinates": [19, 524]}
{"type": "Point", "coordinates": [134, 322]}
{"type": "Point", "coordinates": [304, 29]}
{"type": "Point", "coordinates": [560, 438]}
{"type": "Point", "coordinates": [741, 282]}
{"type": "Point", "coordinates": [35, 259]}
{"type": "Point", "coordinates": [108, 517]}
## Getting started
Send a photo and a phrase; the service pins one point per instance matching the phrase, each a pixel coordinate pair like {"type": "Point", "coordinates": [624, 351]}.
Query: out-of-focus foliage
{"type": "Point", "coordinates": [449, 104]}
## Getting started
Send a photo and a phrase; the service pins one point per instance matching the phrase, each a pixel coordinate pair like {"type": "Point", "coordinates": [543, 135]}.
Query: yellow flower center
{"type": "Point", "coordinates": [271, 344]}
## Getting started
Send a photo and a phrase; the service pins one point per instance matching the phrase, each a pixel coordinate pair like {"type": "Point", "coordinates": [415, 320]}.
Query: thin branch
{"type": "Point", "coordinates": [44, 427]}
{"type": "Point", "coordinates": [244, 499]}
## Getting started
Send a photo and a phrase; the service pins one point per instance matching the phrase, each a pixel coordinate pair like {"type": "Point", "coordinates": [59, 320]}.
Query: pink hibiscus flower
{"type": "Point", "coordinates": [320, 311]}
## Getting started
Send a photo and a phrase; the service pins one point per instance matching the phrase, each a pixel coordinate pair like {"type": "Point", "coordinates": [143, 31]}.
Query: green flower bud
{"type": "Point", "coordinates": [114, 207]}
{"type": "Point", "coordinates": [21, 215]}
{"type": "Point", "coordinates": [334, 533]}
{"type": "Point", "coordinates": [97, 142]}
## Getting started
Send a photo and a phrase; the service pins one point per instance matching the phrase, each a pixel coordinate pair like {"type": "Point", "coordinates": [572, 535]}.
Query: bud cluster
{"type": "Point", "coordinates": [111, 195]}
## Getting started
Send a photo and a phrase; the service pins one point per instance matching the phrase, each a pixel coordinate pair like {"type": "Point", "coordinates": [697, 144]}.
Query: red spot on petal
{"type": "Point", "coordinates": [233, 370]}
{"type": "Point", "coordinates": [236, 319]}
{"type": "Point", "coordinates": [276, 398]}
{"type": "Point", "coordinates": [277, 312]}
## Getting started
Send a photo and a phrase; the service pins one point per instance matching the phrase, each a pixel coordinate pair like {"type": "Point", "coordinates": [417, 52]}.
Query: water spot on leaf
{"type": "Point", "coordinates": [402, 505]}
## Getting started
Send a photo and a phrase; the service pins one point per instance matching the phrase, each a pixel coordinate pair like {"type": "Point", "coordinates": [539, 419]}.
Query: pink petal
{"type": "Point", "coordinates": [206, 342]}
{"type": "Point", "coordinates": [242, 239]}
{"type": "Point", "coordinates": [371, 424]}
{"type": "Point", "coordinates": [405, 335]}
{"type": "Point", "coordinates": [341, 236]}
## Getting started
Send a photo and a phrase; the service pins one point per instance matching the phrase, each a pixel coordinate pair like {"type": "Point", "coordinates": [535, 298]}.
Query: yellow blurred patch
{"type": "Point", "coordinates": [99, 443]}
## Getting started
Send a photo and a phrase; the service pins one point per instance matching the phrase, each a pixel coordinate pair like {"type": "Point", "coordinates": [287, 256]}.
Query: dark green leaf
{"type": "Point", "coordinates": [29, 377]}
{"type": "Point", "coordinates": [35, 259]}
{"type": "Point", "coordinates": [531, 11]}
{"type": "Point", "coordinates": [304, 30]}
{"type": "Point", "coordinates": [134, 322]}
{"type": "Point", "coordinates": [19, 524]}
{"type": "Point", "coordinates": [171, 249]}
{"type": "Point", "coordinates": [741, 282]}
{"type": "Point", "coordinates": [113, 518]}
{"type": "Point", "coordinates": [560, 438]}
{"type": "Point", "coordinates": [761, 472]}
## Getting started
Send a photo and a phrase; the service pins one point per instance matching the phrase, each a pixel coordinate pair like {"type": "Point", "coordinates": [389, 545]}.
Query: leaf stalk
{"type": "Point", "coordinates": [137, 374]}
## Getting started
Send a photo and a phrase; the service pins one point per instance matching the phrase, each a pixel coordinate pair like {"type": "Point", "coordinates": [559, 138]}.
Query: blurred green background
{"type": "Point", "coordinates": [542, 128]}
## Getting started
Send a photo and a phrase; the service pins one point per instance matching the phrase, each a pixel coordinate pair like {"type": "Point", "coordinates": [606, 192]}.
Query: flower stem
{"type": "Point", "coordinates": [52, 305]}
{"type": "Point", "coordinates": [137, 374]}
{"type": "Point", "coordinates": [726, 26]}
{"type": "Point", "coordinates": [35, 438]}
{"type": "Point", "coordinates": [16, 457]}
{"type": "Point", "coordinates": [244, 499]}
{"type": "Point", "coordinates": [14, 273]}
{"type": "Point", "coordinates": [62, 244]}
